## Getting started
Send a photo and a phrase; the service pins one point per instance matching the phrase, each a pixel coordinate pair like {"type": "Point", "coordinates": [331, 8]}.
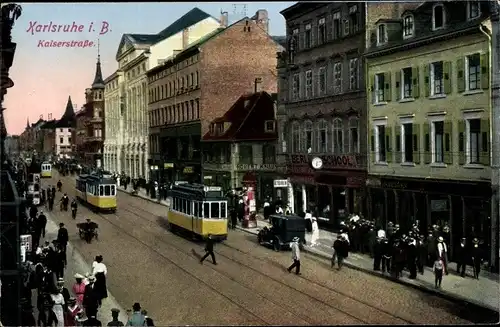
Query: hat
{"type": "Point", "coordinates": [60, 280]}
{"type": "Point", "coordinates": [91, 278]}
{"type": "Point", "coordinates": [421, 237]}
{"type": "Point", "coordinates": [396, 226]}
{"type": "Point", "coordinates": [79, 276]}
{"type": "Point", "coordinates": [295, 239]}
{"type": "Point", "coordinates": [440, 239]}
{"type": "Point", "coordinates": [475, 241]}
{"type": "Point", "coordinates": [115, 310]}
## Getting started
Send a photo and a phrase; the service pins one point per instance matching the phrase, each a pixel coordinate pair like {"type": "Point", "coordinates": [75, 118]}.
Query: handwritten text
{"type": "Point", "coordinates": [36, 27]}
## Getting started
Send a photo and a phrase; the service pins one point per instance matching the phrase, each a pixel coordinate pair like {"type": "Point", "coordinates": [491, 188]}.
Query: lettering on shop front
{"type": "Point", "coordinates": [329, 161]}
{"type": "Point", "coordinates": [248, 167]}
{"type": "Point", "coordinates": [394, 185]}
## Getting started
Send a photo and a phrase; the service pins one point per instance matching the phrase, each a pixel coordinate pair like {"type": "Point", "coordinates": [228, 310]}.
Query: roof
{"type": "Point", "coordinates": [142, 38]}
{"type": "Point", "coordinates": [98, 81]}
{"type": "Point", "coordinates": [68, 118]}
{"type": "Point", "coordinates": [190, 18]}
{"type": "Point", "coordinates": [51, 124]}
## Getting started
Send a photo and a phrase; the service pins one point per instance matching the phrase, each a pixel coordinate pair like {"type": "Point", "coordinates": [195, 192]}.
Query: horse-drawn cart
{"type": "Point", "coordinates": [88, 230]}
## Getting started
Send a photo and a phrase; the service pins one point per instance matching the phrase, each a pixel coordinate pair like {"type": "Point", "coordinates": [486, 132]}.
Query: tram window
{"type": "Point", "coordinates": [200, 209]}
{"type": "Point", "coordinates": [206, 210]}
{"type": "Point", "coordinates": [189, 204]}
{"type": "Point", "coordinates": [176, 204]}
{"type": "Point", "coordinates": [195, 208]}
{"type": "Point", "coordinates": [184, 205]}
{"type": "Point", "coordinates": [223, 209]}
{"type": "Point", "coordinates": [101, 190]}
{"type": "Point", "coordinates": [215, 210]}
{"type": "Point", "coordinates": [113, 190]}
{"type": "Point", "coordinates": [107, 190]}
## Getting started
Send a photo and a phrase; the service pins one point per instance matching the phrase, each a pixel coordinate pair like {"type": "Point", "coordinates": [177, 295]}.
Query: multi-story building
{"type": "Point", "coordinates": [49, 138]}
{"type": "Point", "coordinates": [239, 147]}
{"type": "Point", "coordinates": [199, 84]}
{"type": "Point", "coordinates": [12, 145]}
{"type": "Point", "coordinates": [322, 104]}
{"type": "Point", "coordinates": [126, 146]}
{"type": "Point", "coordinates": [80, 132]}
{"type": "Point", "coordinates": [429, 119]}
{"type": "Point", "coordinates": [25, 138]}
{"type": "Point", "coordinates": [64, 129]}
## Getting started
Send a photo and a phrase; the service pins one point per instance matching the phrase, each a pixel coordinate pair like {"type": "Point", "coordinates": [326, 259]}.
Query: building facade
{"type": "Point", "coordinates": [64, 132]}
{"type": "Point", "coordinates": [239, 147]}
{"type": "Point", "coordinates": [126, 90]}
{"type": "Point", "coordinates": [49, 138]}
{"type": "Point", "coordinates": [429, 119]}
{"type": "Point", "coordinates": [199, 84]}
{"type": "Point", "coordinates": [322, 104]}
{"type": "Point", "coordinates": [12, 145]}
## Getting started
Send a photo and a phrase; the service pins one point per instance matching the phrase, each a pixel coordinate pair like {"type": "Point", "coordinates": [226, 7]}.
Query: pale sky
{"type": "Point", "coordinates": [44, 77]}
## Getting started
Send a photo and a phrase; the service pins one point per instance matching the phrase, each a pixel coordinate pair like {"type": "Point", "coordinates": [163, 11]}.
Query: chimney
{"type": "Point", "coordinates": [49, 117]}
{"type": "Point", "coordinates": [261, 18]}
{"type": "Point", "coordinates": [224, 18]}
{"type": "Point", "coordinates": [185, 38]}
{"type": "Point", "coordinates": [257, 85]}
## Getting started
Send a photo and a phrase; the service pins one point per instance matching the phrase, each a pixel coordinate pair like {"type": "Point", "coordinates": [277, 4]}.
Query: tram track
{"type": "Point", "coordinates": [399, 319]}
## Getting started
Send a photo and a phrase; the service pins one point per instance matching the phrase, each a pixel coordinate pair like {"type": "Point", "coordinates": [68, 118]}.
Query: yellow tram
{"type": "Point", "coordinates": [199, 209]}
{"type": "Point", "coordinates": [46, 170]}
{"type": "Point", "coordinates": [97, 191]}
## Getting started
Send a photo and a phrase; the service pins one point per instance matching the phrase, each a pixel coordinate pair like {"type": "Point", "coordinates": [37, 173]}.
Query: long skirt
{"type": "Point", "coordinates": [100, 286]}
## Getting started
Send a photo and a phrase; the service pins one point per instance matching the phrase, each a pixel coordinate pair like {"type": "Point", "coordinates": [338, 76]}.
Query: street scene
{"type": "Point", "coordinates": [250, 164]}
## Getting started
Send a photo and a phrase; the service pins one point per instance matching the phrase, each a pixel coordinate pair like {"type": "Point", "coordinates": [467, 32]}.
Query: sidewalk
{"type": "Point", "coordinates": [142, 193]}
{"type": "Point", "coordinates": [484, 292]}
{"type": "Point", "coordinates": [77, 264]}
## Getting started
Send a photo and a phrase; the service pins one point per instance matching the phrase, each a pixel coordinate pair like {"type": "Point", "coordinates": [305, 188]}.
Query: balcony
{"type": "Point", "coordinates": [93, 139]}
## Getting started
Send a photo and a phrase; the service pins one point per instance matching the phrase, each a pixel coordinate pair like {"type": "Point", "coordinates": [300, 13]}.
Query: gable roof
{"type": "Point", "coordinates": [68, 118]}
{"type": "Point", "coordinates": [50, 124]}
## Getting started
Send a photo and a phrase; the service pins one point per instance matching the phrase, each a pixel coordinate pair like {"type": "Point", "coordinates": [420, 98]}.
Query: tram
{"type": "Point", "coordinates": [198, 209]}
{"type": "Point", "coordinates": [46, 170]}
{"type": "Point", "coordinates": [97, 191]}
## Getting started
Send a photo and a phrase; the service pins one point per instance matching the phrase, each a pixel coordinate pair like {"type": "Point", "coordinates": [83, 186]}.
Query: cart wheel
{"type": "Point", "coordinates": [276, 244]}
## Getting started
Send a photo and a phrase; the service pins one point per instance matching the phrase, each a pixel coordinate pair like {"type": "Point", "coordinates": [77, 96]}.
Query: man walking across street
{"type": "Point", "coordinates": [115, 322]}
{"type": "Point", "coordinates": [209, 250]}
{"type": "Point", "coordinates": [62, 239]}
{"type": "Point", "coordinates": [294, 245]}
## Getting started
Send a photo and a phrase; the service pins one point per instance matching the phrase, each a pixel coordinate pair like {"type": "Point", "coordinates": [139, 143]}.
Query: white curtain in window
{"type": "Point", "coordinates": [322, 134]}
{"type": "Point", "coordinates": [338, 136]}
{"type": "Point", "coordinates": [354, 135]}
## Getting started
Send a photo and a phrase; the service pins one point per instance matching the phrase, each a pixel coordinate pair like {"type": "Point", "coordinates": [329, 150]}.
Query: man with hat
{"type": "Point", "coordinates": [209, 250]}
{"type": "Point", "coordinates": [442, 252]}
{"type": "Point", "coordinates": [114, 314]}
{"type": "Point", "coordinates": [137, 318]}
{"type": "Point", "coordinates": [476, 255]}
{"type": "Point", "coordinates": [92, 321]}
{"type": "Point", "coordinates": [64, 291]}
{"type": "Point", "coordinates": [63, 238]}
{"type": "Point", "coordinates": [90, 299]}
{"type": "Point", "coordinates": [421, 254]}
{"type": "Point", "coordinates": [461, 257]}
{"type": "Point", "coordinates": [294, 245]}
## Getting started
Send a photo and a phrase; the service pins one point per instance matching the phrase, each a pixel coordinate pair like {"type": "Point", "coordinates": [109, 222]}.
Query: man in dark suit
{"type": "Point", "coordinates": [92, 321]}
{"type": "Point", "coordinates": [461, 257]}
{"type": "Point", "coordinates": [90, 300]}
{"type": "Point", "coordinates": [62, 239]}
{"type": "Point", "coordinates": [209, 249]}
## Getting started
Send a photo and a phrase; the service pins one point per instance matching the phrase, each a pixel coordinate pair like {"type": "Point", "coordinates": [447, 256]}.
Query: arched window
{"type": "Point", "coordinates": [295, 136]}
{"type": "Point", "coordinates": [438, 17]}
{"type": "Point", "coordinates": [322, 142]}
{"type": "Point", "coordinates": [354, 135]}
{"type": "Point", "coordinates": [308, 137]}
{"type": "Point", "coordinates": [338, 136]}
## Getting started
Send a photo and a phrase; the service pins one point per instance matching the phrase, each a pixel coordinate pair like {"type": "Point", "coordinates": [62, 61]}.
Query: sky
{"type": "Point", "coordinates": [44, 77]}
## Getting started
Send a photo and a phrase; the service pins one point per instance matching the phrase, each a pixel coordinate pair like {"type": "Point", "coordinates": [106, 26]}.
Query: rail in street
{"type": "Point", "coordinates": [250, 285]}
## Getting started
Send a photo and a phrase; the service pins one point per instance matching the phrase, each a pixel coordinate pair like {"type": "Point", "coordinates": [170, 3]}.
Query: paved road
{"type": "Point", "coordinates": [148, 264]}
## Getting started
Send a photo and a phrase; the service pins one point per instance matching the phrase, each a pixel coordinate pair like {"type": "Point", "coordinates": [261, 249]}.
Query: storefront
{"type": "Point", "coordinates": [331, 192]}
{"type": "Point", "coordinates": [260, 177]}
{"type": "Point", "coordinates": [462, 206]}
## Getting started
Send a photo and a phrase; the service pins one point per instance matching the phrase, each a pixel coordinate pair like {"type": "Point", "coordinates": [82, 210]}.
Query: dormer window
{"type": "Point", "coordinates": [269, 126]}
{"type": "Point", "coordinates": [220, 128]}
{"type": "Point", "coordinates": [438, 19]}
{"type": "Point", "coordinates": [408, 26]}
{"type": "Point", "coordinates": [212, 129]}
{"type": "Point", "coordinates": [473, 10]}
{"type": "Point", "coordinates": [382, 34]}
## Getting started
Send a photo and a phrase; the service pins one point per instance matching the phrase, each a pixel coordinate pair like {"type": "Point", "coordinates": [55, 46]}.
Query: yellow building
{"type": "Point", "coordinates": [429, 119]}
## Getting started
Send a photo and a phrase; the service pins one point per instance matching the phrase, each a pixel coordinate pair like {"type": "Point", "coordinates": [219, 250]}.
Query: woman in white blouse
{"type": "Point", "coordinates": [99, 270]}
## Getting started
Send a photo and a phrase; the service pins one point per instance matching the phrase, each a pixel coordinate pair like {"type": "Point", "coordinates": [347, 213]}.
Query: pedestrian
{"type": "Point", "coordinates": [209, 250]}
{"type": "Point", "coordinates": [149, 321]}
{"type": "Point", "coordinates": [100, 271]}
{"type": "Point", "coordinates": [42, 223]}
{"type": "Point", "coordinates": [377, 254]}
{"type": "Point", "coordinates": [27, 318]}
{"type": "Point", "coordinates": [294, 245]}
{"type": "Point", "coordinates": [442, 252]}
{"type": "Point", "coordinates": [72, 312]}
{"type": "Point", "coordinates": [308, 217]}
{"type": "Point", "coordinates": [137, 318]}
{"type": "Point", "coordinates": [422, 254]}
{"type": "Point", "coordinates": [58, 306]}
{"type": "Point", "coordinates": [114, 316]}
{"type": "Point", "coordinates": [33, 212]}
{"type": "Point", "coordinates": [51, 203]}
{"type": "Point", "coordinates": [92, 321]}
{"type": "Point", "coordinates": [90, 299]}
{"type": "Point", "coordinates": [411, 256]}
{"type": "Point", "coordinates": [59, 261]}
{"type": "Point", "coordinates": [341, 251]}
{"type": "Point", "coordinates": [62, 239]}
{"type": "Point", "coordinates": [476, 255]}
{"type": "Point", "coordinates": [438, 272]}
{"type": "Point", "coordinates": [234, 218]}
{"type": "Point", "coordinates": [461, 257]}
{"type": "Point", "coordinates": [79, 288]}
{"type": "Point", "coordinates": [315, 231]}
{"type": "Point", "coordinates": [64, 291]}
{"type": "Point", "coordinates": [267, 209]}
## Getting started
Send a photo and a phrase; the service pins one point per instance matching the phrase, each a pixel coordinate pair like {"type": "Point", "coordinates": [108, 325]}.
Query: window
{"type": "Point", "coordinates": [337, 77]}
{"type": "Point", "coordinates": [268, 154]}
{"type": "Point", "coordinates": [338, 136]}
{"type": "Point", "coordinates": [473, 63]}
{"type": "Point", "coordinates": [61, 130]}
{"type": "Point", "coordinates": [295, 136]}
{"type": "Point", "coordinates": [474, 140]}
{"type": "Point", "coordinates": [246, 154]}
{"type": "Point", "coordinates": [322, 81]}
{"type": "Point", "coordinates": [354, 135]}
{"type": "Point", "coordinates": [406, 90]}
{"type": "Point", "coordinates": [381, 34]}
{"type": "Point", "coordinates": [308, 36]}
{"type": "Point", "coordinates": [380, 88]}
{"type": "Point", "coordinates": [336, 25]}
{"type": "Point", "coordinates": [322, 136]}
{"type": "Point", "coordinates": [309, 83]}
{"type": "Point", "coordinates": [438, 133]}
{"type": "Point", "coordinates": [346, 27]}
{"type": "Point", "coordinates": [437, 78]}
{"type": "Point", "coordinates": [215, 210]}
{"type": "Point", "coordinates": [321, 31]}
{"type": "Point", "coordinates": [61, 140]}
{"type": "Point", "coordinates": [107, 190]}
{"type": "Point", "coordinates": [408, 26]}
{"type": "Point", "coordinates": [473, 9]}
{"type": "Point", "coordinates": [308, 136]}
{"type": "Point", "coordinates": [69, 140]}
{"type": "Point", "coordinates": [437, 17]}
{"type": "Point", "coordinates": [206, 210]}
{"type": "Point", "coordinates": [101, 190]}
{"type": "Point", "coordinates": [407, 142]}
{"type": "Point", "coordinates": [353, 16]}
{"type": "Point", "coordinates": [113, 190]}
{"type": "Point", "coordinates": [380, 145]}
{"type": "Point", "coordinates": [223, 210]}
{"type": "Point", "coordinates": [296, 87]}
{"type": "Point", "coordinates": [353, 74]}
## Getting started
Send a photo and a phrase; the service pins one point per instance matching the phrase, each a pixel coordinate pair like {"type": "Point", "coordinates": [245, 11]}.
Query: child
{"type": "Point", "coordinates": [438, 272]}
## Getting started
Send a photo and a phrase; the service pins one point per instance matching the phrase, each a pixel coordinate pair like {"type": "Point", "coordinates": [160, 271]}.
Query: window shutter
{"type": "Point", "coordinates": [460, 75]}
{"type": "Point", "coordinates": [484, 156]}
{"type": "Point", "coordinates": [371, 88]}
{"type": "Point", "coordinates": [447, 77]}
{"type": "Point", "coordinates": [398, 85]}
{"type": "Point", "coordinates": [416, 143]}
{"type": "Point", "coordinates": [388, 143]}
{"type": "Point", "coordinates": [388, 89]}
{"type": "Point", "coordinates": [372, 145]}
{"type": "Point", "coordinates": [397, 145]}
{"type": "Point", "coordinates": [485, 71]}
{"type": "Point", "coordinates": [461, 142]}
{"type": "Point", "coordinates": [427, 144]}
{"type": "Point", "coordinates": [415, 81]}
{"type": "Point", "coordinates": [427, 81]}
{"type": "Point", "coordinates": [329, 138]}
{"type": "Point", "coordinates": [448, 146]}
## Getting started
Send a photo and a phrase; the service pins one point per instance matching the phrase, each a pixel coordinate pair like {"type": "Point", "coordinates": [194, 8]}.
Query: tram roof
{"type": "Point", "coordinates": [199, 191]}
{"type": "Point", "coordinates": [96, 179]}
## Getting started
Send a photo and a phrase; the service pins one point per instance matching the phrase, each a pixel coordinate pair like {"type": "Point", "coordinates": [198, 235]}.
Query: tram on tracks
{"type": "Point", "coordinates": [46, 170]}
{"type": "Point", "coordinates": [97, 191]}
{"type": "Point", "coordinates": [198, 209]}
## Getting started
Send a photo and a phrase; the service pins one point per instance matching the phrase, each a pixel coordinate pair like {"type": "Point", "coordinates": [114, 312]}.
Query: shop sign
{"type": "Point", "coordinates": [207, 177]}
{"type": "Point", "coordinates": [188, 170]}
{"type": "Point", "coordinates": [262, 167]}
{"type": "Point", "coordinates": [280, 183]}
{"type": "Point", "coordinates": [26, 241]}
{"type": "Point", "coordinates": [394, 185]}
{"type": "Point", "coordinates": [168, 165]}
{"type": "Point", "coordinates": [210, 166]}
{"type": "Point", "coordinates": [329, 161]}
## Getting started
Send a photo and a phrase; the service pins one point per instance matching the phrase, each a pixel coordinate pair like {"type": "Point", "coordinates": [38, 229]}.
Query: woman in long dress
{"type": "Point", "coordinates": [100, 271]}
{"type": "Point", "coordinates": [79, 288]}
{"type": "Point", "coordinates": [315, 232]}
{"type": "Point", "coordinates": [58, 307]}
